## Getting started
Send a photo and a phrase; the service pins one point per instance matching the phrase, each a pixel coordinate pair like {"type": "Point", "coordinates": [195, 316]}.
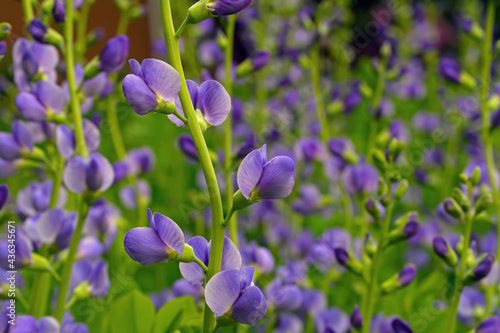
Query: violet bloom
{"type": "Point", "coordinates": [288, 323]}
{"type": "Point", "coordinates": [252, 254]}
{"type": "Point", "coordinates": [210, 100]}
{"type": "Point", "coordinates": [66, 140]}
{"type": "Point", "coordinates": [407, 274]}
{"type": "Point", "coordinates": [259, 179]}
{"type": "Point", "coordinates": [490, 325]}
{"type": "Point", "coordinates": [89, 247]}
{"type": "Point", "coordinates": [16, 144]}
{"type": "Point", "coordinates": [94, 174]}
{"type": "Point", "coordinates": [400, 326]}
{"type": "Point", "coordinates": [309, 150]}
{"type": "Point", "coordinates": [33, 59]}
{"type": "Point", "coordinates": [310, 200]}
{"type": "Point", "coordinates": [284, 297]}
{"type": "Point", "coordinates": [227, 7]}
{"type": "Point", "coordinates": [4, 195]}
{"type": "Point", "coordinates": [54, 227]}
{"type": "Point", "coordinates": [472, 301]}
{"type": "Point", "coordinates": [260, 60]}
{"type": "Point", "coordinates": [483, 268]}
{"type": "Point", "coordinates": [140, 161]}
{"type": "Point", "coordinates": [192, 272]}
{"type": "Point", "coordinates": [360, 178]}
{"type": "Point", "coordinates": [164, 240]}
{"type": "Point", "coordinates": [24, 249]}
{"type": "Point", "coordinates": [332, 320]}
{"type": "Point", "coordinates": [35, 198]}
{"type": "Point", "coordinates": [232, 292]}
{"type": "Point", "coordinates": [46, 101]}
{"type": "Point", "coordinates": [187, 147]}
{"type": "Point", "coordinates": [31, 324]}
{"type": "Point", "coordinates": [101, 222]}
{"type": "Point", "coordinates": [90, 278]}
{"type": "Point", "coordinates": [182, 287]}
{"type": "Point", "coordinates": [152, 84]}
{"type": "Point", "coordinates": [356, 318]}
{"type": "Point", "coordinates": [129, 194]}
{"type": "Point", "coordinates": [59, 11]}
{"type": "Point", "coordinates": [114, 54]}
{"type": "Point", "coordinates": [3, 49]}
{"type": "Point", "coordinates": [449, 69]}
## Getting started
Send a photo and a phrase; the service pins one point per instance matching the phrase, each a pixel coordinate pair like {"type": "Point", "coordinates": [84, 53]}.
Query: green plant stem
{"type": "Point", "coordinates": [81, 31]}
{"type": "Point", "coordinates": [70, 259]}
{"type": "Point", "coordinates": [370, 296]}
{"type": "Point", "coordinates": [28, 12]}
{"type": "Point", "coordinates": [318, 97]}
{"type": "Point", "coordinates": [71, 78]}
{"type": "Point", "coordinates": [459, 277]}
{"type": "Point", "coordinates": [123, 24]}
{"type": "Point", "coordinates": [203, 154]}
{"type": "Point", "coordinates": [228, 130]}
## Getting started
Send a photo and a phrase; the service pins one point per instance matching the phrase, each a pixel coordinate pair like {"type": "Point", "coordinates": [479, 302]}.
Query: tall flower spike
{"type": "Point", "coordinates": [153, 86]}
{"type": "Point", "coordinates": [114, 54]}
{"type": "Point", "coordinates": [164, 240]}
{"type": "Point", "coordinates": [259, 179]}
{"type": "Point", "coordinates": [210, 100]}
{"type": "Point", "coordinates": [93, 174]}
{"type": "Point", "coordinates": [233, 292]}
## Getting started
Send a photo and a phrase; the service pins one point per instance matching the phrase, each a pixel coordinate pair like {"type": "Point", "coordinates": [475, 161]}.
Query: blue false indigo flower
{"type": "Point", "coordinates": [182, 287]}
{"type": "Point", "coordinates": [253, 64]}
{"type": "Point", "coordinates": [153, 86]}
{"type": "Point", "coordinates": [55, 227]}
{"type": "Point", "coordinates": [400, 326]}
{"type": "Point", "coordinates": [92, 174]}
{"type": "Point", "coordinates": [114, 54]}
{"type": "Point", "coordinates": [129, 194]}
{"type": "Point", "coordinates": [481, 270]}
{"type": "Point", "coordinates": [348, 261]}
{"type": "Point", "coordinates": [283, 297]}
{"type": "Point", "coordinates": [35, 198]}
{"type": "Point", "coordinates": [17, 144]}
{"type": "Point", "coordinates": [356, 318]}
{"type": "Point", "coordinates": [3, 49]}
{"type": "Point", "coordinates": [426, 122]}
{"type": "Point", "coordinates": [309, 150]}
{"type": "Point", "coordinates": [343, 148]}
{"type": "Point", "coordinates": [66, 140]}
{"type": "Point", "coordinates": [333, 320]}
{"type": "Point", "coordinates": [43, 34]}
{"type": "Point", "coordinates": [24, 251]}
{"type": "Point", "coordinates": [89, 279]}
{"type": "Point", "coordinates": [192, 272]}
{"type": "Point", "coordinates": [252, 254]}
{"type": "Point", "coordinates": [141, 161]}
{"type": "Point", "coordinates": [472, 302]}
{"type": "Point", "coordinates": [259, 179]}
{"type": "Point", "coordinates": [45, 103]}
{"type": "Point", "coordinates": [310, 200]}
{"type": "Point", "coordinates": [205, 9]}
{"type": "Point", "coordinates": [313, 302]}
{"type": "Point", "coordinates": [89, 248]}
{"type": "Point", "coordinates": [59, 11]}
{"type": "Point", "coordinates": [164, 240]}
{"type": "Point", "coordinates": [246, 147]}
{"type": "Point", "coordinates": [288, 323]}
{"type": "Point", "coordinates": [490, 325]}
{"type": "Point", "coordinates": [101, 222]}
{"type": "Point", "coordinates": [451, 71]}
{"type": "Point", "coordinates": [232, 294]}
{"type": "Point", "coordinates": [4, 195]}
{"type": "Point", "coordinates": [187, 147]}
{"type": "Point", "coordinates": [399, 280]}
{"type": "Point", "coordinates": [31, 324]}
{"type": "Point", "coordinates": [360, 178]}
{"type": "Point", "coordinates": [211, 102]}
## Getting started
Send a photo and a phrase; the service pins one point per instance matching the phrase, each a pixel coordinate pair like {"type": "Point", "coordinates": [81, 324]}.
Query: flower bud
{"type": "Point", "coordinates": [348, 261]}
{"type": "Point", "coordinates": [481, 270]}
{"type": "Point", "coordinates": [475, 178]}
{"type": "Point", "coordinates": [58, 11]}
{"type": "Point", "coordinates": [453, 208]}
{"type": "Point", "coordinates": [43, 34]}
{"type": "Point", "coordinates": [5, 29]}
{"type": "Point", "coordinates": [372, 209]}
{"type": "Point", "coordinates": [401, 189]}
{"type": "Point", "coordinates": [483, 203]}
{"type": "Point", "coordinates": [399, 280]}
{"type": "Point", "coordinates": [379, 160]}
{"type": "Point", "coordinates": [356, 318]}
{"type": "Point", "coordinates": [444, 250]}
{"type": "Point", "coordinates": [370, 245]}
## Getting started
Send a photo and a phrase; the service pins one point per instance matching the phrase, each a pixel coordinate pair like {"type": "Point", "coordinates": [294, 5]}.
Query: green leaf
{"type": "Point", "coordinates": [132, 313]}
{"type": "Point", "coordinates": [176, 314]}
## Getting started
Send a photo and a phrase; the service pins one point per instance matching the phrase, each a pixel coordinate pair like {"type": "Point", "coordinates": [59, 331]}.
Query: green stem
{"type": "Point", "coordinates": [228, 130]}
{"type": "Point", "coordinates": [71, 78]}
{"type": "Point", "coordinates": [70, 259]}
{"type": "Point", "coordinates": [123, 24]}
{"type": "Point", "coordinates": [114, 125]}
{"type": "Point", "coordinates": [370, 296]}
{"type": "Point", "coordinates": [229, 216]}
{"type": "Point", "coordinates": [28, 12]}
{"type": "Point", "coordinates": [203, 154]}
{"type": "Point", "coordinates": [457, 290]}
{"type": "Point", "coordinates": [318, 97]}
{"type": "Point", "coordinates": [182, 27]}
{"type": "Point", "coordinates": [81, 31]}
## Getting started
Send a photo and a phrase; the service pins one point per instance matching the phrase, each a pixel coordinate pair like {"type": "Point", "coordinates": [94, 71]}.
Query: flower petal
{"type": "Point", "coordinates": [214, 102]}
{"type": "Point", "coordinates": [161, 78]}
{"type": "Point", "coordinates": [104, 169]}
{"type": "Point", "coordinates": [65, 141]}
{"type": "Point", "coordinates": [231, 257]}
{"type": "Point", "coordinates": [9, 149]}
{"type": "Point", "coordinates": [222, 290]}
{"type": "Point", "coordinates": [250, 170]}
{"type": "Point", "coordinates": [169, 232]}
{"type": "Point", "coordinates": [136, 68]}
{"type": "Point", "coordinates": [140, 97]}
{"type": "Point", "coordinates": [144, 245]}
{"type": "Point", "coordinates": [49, 224]}
{"type": "Point", "coordinates": [191, 271]}
{"type": "Point", "coordinates": [250, 307]}
{"type": "Point", "coordinates": [74, 174]}
{"type": "Point", "coordinates": [51, 96]}
{"type": "Point", "coordinates": [193, 93]}
{"type": "Point", "coordinates": [277, 178]}
{"type": "Point", "coordinates": [30, 107]}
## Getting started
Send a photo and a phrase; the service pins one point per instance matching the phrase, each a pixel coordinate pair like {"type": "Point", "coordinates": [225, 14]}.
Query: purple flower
{"type": "Point", "coordinates": [360, 178]}
{"type": "Point", "coordinates": [233, 292]}
{"type": "Point", "coordinates": [54, 226]}
{"type": "Point", "coordinates": [449, 69]}
{"type": "Point", "coordinates": [284, 297]}
{"type": "Point", "coordinates": [309, 150]}
{"type": "Point", "coordinates": [93, 174]}
{"type": "Point", "coordinates": [164, 240]}
{"type": "Point", "coordinates": [483, 268]}
{"type": "Point", "coordinates": [192, 272]}
{"type": "Point", "coordinates": [24, 249]}
{"type": "Point", "coordinates": [3, 49]}
{"type": "Point", "coordinates": [114, 54]}
{"type": "Point", "coordinates": [89, 247]}
{"type": "Point", "coordinates": [38, 30]}
{"type": "Point", "coordinates": [252, 254]}
{"type": "Point", "coordinates": [140, 161]}
{"type": "Point", "coordinates": [16, 144]}
{"type": "Point", "coordinates": [101, 222]}
{"type": "Point", "coordinates": [356, 318]}
{"type": "Point", "coordinates": [46, 101]}
{"type": "Point", "coordinates": [129, 193]}
{"type": "Point", "coordinates": [182, 287]}
{"type": "Point", "coordinates": [288, 323]}
{"type": "Point", "coordinates": [186, 145]}
{"type": "Point", "coordinates": [90, 278]}
{"type": "Point", "coordinates": [472, 301]}
{"type": "Point", "coordinates": [227, 7]}
{"type": "Point", "coordinates": [31, 324]}
{"type": "Point", "coordinates": [259, 179]}
{"type": "Point", "coordinates": [260, 59]}
{"type": "Point", "coordinates": [4, 195]}
{"type": "Point", "coordinates": [152, 83]}
{"type": "Point", "coordinates": [59, 11]}
{"type": "Point", "coordinates": [310, 200]}
{"type": "Point", "coordinates": [210, 99]}
{"type": "Point", "coordinates": [407, 274]}
{"type": "Point", "coordinates": [400, 326]}
{"type": "Point", "coordinates": [332, 320]}
{"type": "Point", "coordinates": [66, 140]}
{"type": "Point", "coordinates": [35, 198]}
{"type": "Point", "coordinates": [490, 325]}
